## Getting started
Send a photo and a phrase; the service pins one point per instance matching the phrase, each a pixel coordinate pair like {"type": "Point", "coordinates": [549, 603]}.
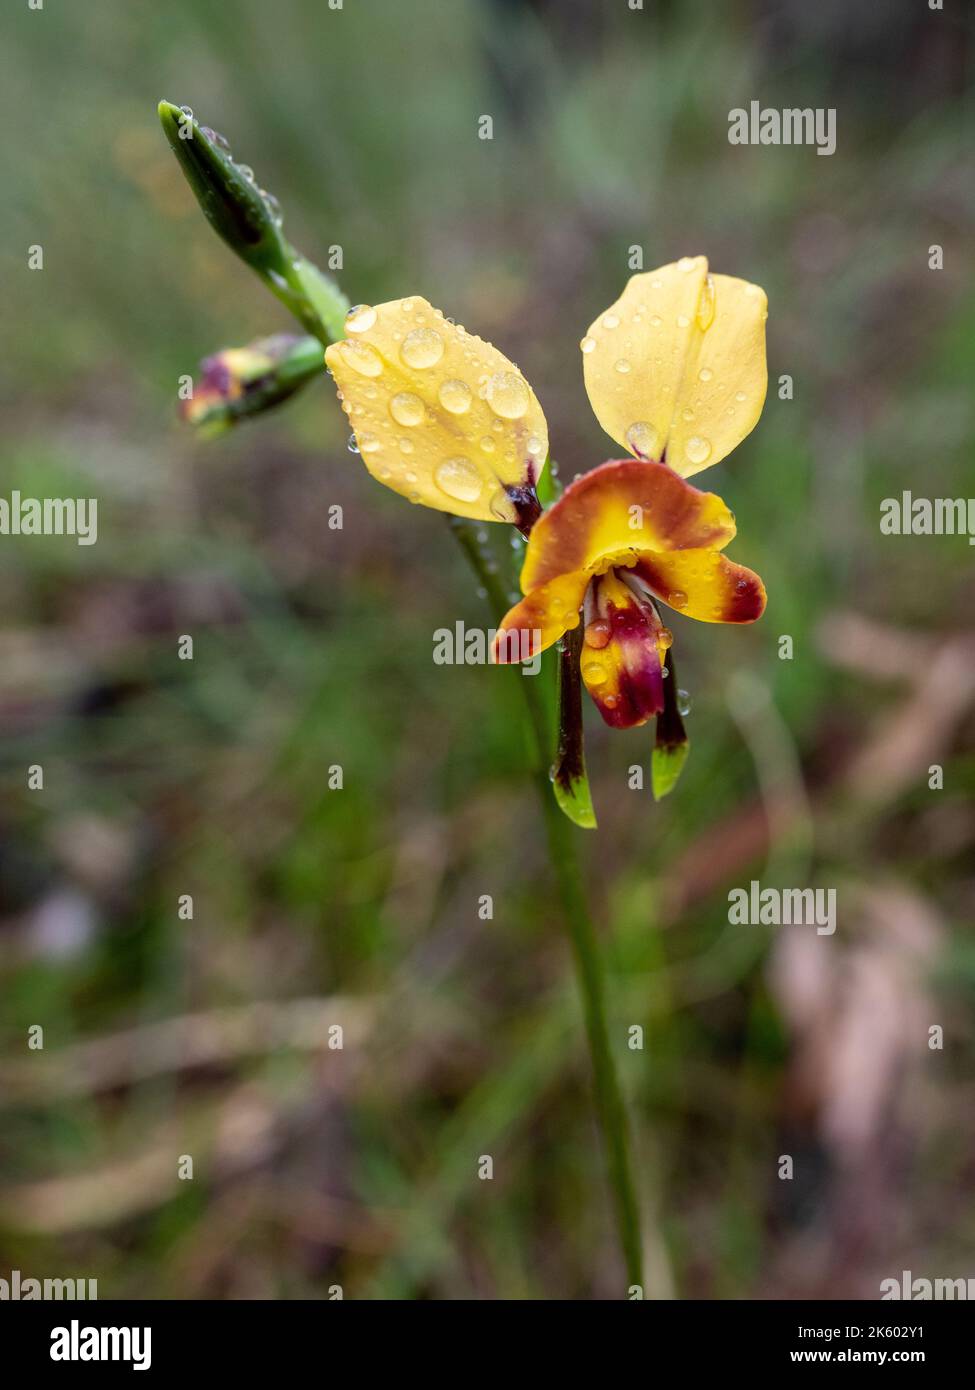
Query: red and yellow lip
{"type": "Point", "coordinates": [620, 538]}
{"type": "Point", "coordinates": [624, 647]}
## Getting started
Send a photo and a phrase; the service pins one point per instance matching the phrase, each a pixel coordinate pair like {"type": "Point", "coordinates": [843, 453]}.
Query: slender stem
{"type": "Point", "coordinates": [561, 838]}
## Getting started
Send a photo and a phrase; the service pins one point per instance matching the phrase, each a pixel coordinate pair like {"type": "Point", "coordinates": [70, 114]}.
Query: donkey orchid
{"type": "Point", "coordinates": [675, 371]}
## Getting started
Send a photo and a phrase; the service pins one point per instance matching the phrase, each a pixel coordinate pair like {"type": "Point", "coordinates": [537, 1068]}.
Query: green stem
{"type": "Point", "coordinates": [561, 839]}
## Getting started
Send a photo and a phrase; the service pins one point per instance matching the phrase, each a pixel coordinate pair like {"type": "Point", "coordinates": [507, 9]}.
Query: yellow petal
{"type": "Point", "coordinates": [439, 415]}
{"type": "Point", "coordinates": [675, 369]}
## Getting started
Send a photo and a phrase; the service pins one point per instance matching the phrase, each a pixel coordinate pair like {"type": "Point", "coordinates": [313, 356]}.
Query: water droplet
{"type": "Point", "coordinates": [406, 305]}
{"type": "Point", "coordinates": [353, 444]}
{"type": "Point", "coordinates": [187, 111]}
{"type": "Point", "coordinates": [247, 172]}
{"type": "Point", "coordinates": [705, 374]}
{"type": "Point", "coordinates": [487, 444]}
{"type": "Point", "coordinates": [683, 321]}
{"type": "Point", "coordinates": [683, 702]}
{"type": "Point", "coordinates": [622, 365]}
{"type": "Point", "coordinates": [643, 439]}
{"type": "Point", "coordinates": [686, 263]}
{"type": "Point", "coordinates": [597, 633]}
{"type": "Point", "coordinates": [664, 672]}
{"type": "Point", "coordinates": [594, 673]}
{"type": "Point", "coordinates": [368, 443]}
{"type": "Point", "coordinates": [456, 396]}
{"type": "Point", "coordinates": [406, 447]}
{"type": "Point", "coordinates": [656, 284]}
{"type": "Point", "coordinates": [500, 505]}
{"type": "Point", "coordinates": [697, 448]}
{"type": "Point", "coordinates": [533, 446]}
{"type": "Point", "coordinates": [407, 408]}
{"type": "Point", "coordinates": [705, 305]}
{"type": "Point", "coordinates": [507, 395]}
{"type": "Point", "coordinates": [687, 413]}
{"type": "Point", "coordinates": [360, 318]}
{"type": "Point", "coordinates": [677, 599]}
{"type": "Point", "coordinates": [588, 344]}
{"type": "Point", "coordinates": [655, 321]}
{"type": "Point", "coordinates": [422, 348]}
{"type": "Point", "coordinates": [665, 638]}
{"type": "Point", "coordinates": [459, 479]}
{"type": "Point", "coordinates": [274, 208]}
{"type": "Point", "coordinates": [362, 358]}
{"type": "Point", "coordinates": [611, 701]}
{"type": "Point", "coordinates": [611, 321]}
{"type": "Point", "coordinates": [740, 396]}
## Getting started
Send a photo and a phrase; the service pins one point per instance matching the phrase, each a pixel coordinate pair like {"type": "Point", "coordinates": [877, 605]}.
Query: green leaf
{"type": "Point", "coordinates": [672, 744]}
{"type": "Point", "coordinates": [248, 219]}
{"type": "Point", "coordinates": [667, 764]}
{"type": "Point", "coordinates": [569, 780]}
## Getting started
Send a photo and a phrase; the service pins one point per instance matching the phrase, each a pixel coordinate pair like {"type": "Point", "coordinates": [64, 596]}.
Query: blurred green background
{"type": "Point", "coordinates": [312, 907]}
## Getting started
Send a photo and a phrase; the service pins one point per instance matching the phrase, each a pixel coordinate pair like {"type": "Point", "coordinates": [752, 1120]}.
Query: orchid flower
{"type": "Point", "coordinates": [675, 371]}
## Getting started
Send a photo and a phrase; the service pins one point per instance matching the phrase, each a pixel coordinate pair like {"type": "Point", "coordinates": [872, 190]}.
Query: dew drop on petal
{"type": "Point", "coordinates": [407, 408]}
{"type": "Point", "coordinates": [677, 599]}
{"type": "Point", "coordinates": [507, 395]}
{"type": "Point", "coordinates": [705, 307]}
{"type": "Point", "coordinates": [594, 673]}
{"type": "Point", "coordinates": [459, 479]}
{"type": "Point", "coordinates": [622, 366]}
{"type": "Point", "coordinates": [686, 263]}
{"type": "Point", "coordinates": [360, 318]}
{"type": "Point", "coordinates": [740, 396]}
{"type": "Point", "coordinates": [500, 505]}
{"type": "Point", "coordinates": [588, 344]}
{"type": "Point", "coordinates": [423, 347]}
{"type": "Point", "coordinates": [697, 448]}
{"type": "Point", "coordinates": [643, 439]}
{"type": "Point", "coordinates": [456, 396]}
{"type": "Point", "coordinates": [683, 702]}
{"type": "Point", "coordinates": [705, 374]}
{"type": "Point", "coordinates": [683, 321]}
{"type": "Point", "coordinates": [362, 358]}
{"type": "Point", "coordinates": [368, 443]}
{"type": "Point", "coordinates": [611, 321]}
{"type": "Point", "coordinates": [597, 633]}
{"type": "Point", "coordinates": [487, 444]}
{"type": "Point", "coordinates": [353, 444]}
